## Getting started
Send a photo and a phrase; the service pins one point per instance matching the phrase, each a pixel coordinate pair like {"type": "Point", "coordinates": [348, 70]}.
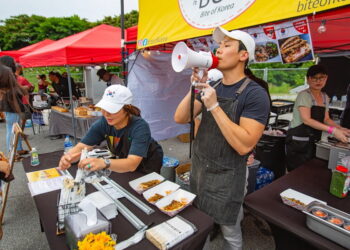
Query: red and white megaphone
{"type": "Point", "coordinates": [184, 58]}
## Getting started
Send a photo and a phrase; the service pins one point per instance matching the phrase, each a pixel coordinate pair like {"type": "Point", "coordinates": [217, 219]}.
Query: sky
{"type": "Point", "coordinates": [92, 10]}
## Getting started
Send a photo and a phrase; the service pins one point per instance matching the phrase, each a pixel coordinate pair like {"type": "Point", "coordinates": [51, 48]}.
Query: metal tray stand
{"type": "Point", "coordinates": [327, 229]}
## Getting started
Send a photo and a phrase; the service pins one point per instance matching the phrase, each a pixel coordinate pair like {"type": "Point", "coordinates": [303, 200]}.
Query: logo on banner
{"type": "Point", "coordinates": [207, 14]}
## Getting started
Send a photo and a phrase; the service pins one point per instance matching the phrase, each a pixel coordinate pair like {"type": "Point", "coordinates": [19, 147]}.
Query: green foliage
{"type": "Point", "coordinates": [31, 73]}
{"type": "Point", "coordinates": [130, 19]}
{"type": "Point", "coordinates": [281, 77]}
{"type": "Point", "coordinates": [19, 31]}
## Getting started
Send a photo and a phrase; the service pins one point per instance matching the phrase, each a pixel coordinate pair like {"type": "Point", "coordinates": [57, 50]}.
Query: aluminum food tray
{"type": "Point", "coordinates": [286, 107]}
{"type": "Point", "coordinates": [321, 226]}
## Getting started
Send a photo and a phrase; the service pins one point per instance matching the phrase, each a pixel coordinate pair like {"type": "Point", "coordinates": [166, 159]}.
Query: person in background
{"type": "Point", "coordinates": [74, 86]}
{"type": "Point", "coordinates": [128, 137]}
{"type": "Point", "coordinates": [310, 118]}
{"type": "Point", "coordinates": [234, 113]}
{"type": "Point", "coordinates": [10, 102]}
{"type": "Point", "coordinates": [345, 117]}
{"type": "Point", "coordinates": [42, 84]}
{"type": "Point", "coordinates": [109, 78]}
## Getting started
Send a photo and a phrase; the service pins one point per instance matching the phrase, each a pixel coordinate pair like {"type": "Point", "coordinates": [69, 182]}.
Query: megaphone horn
{"type": "Point", "coordinates": [184, 58]}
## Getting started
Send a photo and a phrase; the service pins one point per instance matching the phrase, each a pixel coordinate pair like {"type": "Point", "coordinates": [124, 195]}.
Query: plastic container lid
{"type": "Point", "coordinates": [342, 169]}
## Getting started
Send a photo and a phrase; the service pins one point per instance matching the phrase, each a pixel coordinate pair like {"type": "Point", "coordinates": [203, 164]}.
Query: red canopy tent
{"type": "Point", "coordinates": [17, 53]}
{"type": "Point", "coordinates": [97, 45]}
{"type": "Point", "coordinates": [337, 35]}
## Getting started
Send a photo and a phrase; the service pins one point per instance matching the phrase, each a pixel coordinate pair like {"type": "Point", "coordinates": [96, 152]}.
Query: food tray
{"type": "Point", "coordinates": [296, 199]}
{"type": "Point", "coordinates": [280, 106]}
{"type": "Point", "coordinates": [179, 195]}
{"type": "Point", "coordinates": [164, 189]}
{"type": "Point", "coordinates": [136, 184]}
{"type": "Point", "coordinates": [329, 230]}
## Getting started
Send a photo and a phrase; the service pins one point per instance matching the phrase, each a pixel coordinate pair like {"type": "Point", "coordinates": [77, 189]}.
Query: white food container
{"type": "Point", "coordinates": [164, 189]}
{"type": "Point", "coordinates": [304, 200]}
{"type": "Point", "coordinates": [136, 184]}
{"type": "Point", "coordinates": [179, 195]}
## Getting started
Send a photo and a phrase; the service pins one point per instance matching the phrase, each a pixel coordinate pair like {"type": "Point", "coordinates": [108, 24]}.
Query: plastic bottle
{"type": "Point", "coordinates": [67, 144]}
{"type": "Point", "coordinates": [339, 182]}
{"type": "Point", "coordinates": [34, 159]}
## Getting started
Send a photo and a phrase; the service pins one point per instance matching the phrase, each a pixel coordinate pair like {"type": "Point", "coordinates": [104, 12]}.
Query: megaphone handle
{"type": "Point", "coordinates": [192, 120]}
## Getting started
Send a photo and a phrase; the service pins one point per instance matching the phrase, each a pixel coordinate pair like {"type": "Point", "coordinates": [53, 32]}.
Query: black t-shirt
{"type": "Point", "coordinates": [253, 103]}
{"type": "Point", "coordinates": [139, 135]}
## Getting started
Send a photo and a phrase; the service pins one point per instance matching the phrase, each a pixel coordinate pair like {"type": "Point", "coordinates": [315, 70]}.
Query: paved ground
{"type": "Point", "coordinates": [21, 224]}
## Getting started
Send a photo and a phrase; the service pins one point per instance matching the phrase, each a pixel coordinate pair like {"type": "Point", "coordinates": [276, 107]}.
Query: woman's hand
{"type": "Point", "coordinates": [341, 135]}
{"type": "Point", "coordinates": [92, 164]}
{"type": "Point", "coordinates": [347, 131]}
{"type": "Point", "coordinates": [5, 168]}
{"type": "Point", "coordinates": [66, 160]}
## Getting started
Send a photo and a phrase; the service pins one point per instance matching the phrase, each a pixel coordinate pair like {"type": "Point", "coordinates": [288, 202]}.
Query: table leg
{"type": "Point", "coordinates": [41, 226]}
{"type": "Point", "coordinates": [285, 240]}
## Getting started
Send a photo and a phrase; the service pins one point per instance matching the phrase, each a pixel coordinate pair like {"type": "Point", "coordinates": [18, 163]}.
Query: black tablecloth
{"type": "Point", "coordinates": [61, 124]}
{"type": "Point", "coordinates": [46, 205]}
{"type": "Point", "coordinates": [313, 179]}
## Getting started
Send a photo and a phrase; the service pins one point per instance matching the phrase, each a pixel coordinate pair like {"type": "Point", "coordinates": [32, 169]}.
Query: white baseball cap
{"type": "Point", "coordinates": [114, 98]}
{"type": "Point", "coordinates": [248, 41]}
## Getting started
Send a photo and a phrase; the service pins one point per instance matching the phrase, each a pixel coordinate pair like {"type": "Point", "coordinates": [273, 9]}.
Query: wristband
{"type": "Point", "coordinates": [333, 132]}
{"type": "Point", "coordinates": [330, 130]}
{"type": "Point", "coordinates": [213, 107]}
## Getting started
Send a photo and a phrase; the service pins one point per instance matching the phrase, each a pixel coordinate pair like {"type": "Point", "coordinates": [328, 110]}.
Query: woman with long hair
{"type": "Point", "coordinates": [10, 102]}
{"type": "Point", "coordinates": [128, 137]}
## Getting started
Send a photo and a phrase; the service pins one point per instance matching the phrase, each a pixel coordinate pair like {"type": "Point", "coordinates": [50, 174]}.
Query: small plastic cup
{"type": "Point", "coordinates": [319, 213]}
{"type": "Point", "coordinates": [347, 226]}
{"type": "Point", "coordinates": [336, 220]}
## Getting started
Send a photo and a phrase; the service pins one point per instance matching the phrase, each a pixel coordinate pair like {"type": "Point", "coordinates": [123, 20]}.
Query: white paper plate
{"type": "Point", "coordinates": [164, 189]}
{"type": "Point", "coordinates": [135, 184]}
{"type": "Point", "coordinates": [288, 194]}
{"type": "Point", "coordinates": [178, 195]}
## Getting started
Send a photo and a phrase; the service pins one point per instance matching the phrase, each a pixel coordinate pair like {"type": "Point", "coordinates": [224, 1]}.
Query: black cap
{"type": "Point", "coordinates": [101, 73]}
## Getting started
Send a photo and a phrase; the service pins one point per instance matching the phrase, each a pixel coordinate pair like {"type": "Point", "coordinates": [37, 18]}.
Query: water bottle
{"type": "Point", "coordinates": [34, 159]}
{"type": "Point", "coordinates": [67, 144]}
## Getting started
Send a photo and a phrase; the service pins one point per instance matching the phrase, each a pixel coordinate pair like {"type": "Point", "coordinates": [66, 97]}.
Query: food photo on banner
{"type": "Point", "coordinates": [286, 42]}
{"type": "Point", "coordinates": [294, 41]}
{"type": "Point", "coordinates": [266, 46]}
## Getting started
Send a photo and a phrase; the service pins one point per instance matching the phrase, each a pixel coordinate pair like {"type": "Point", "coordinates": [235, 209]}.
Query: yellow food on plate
{"type": "Point", "coordinates": [174, 205]}
{"type": "Point", "coordinates": [148, 184]}
{"type": "Point", "coordinates": [155, 198]}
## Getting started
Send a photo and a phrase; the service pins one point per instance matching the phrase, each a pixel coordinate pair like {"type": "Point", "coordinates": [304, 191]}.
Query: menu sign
{"type": "Point", "coordinates": [286, 42]}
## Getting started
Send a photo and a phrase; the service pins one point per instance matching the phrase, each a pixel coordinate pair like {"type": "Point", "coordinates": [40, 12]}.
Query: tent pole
{"type": "Point", "coordinates": [122, 29]}
{"type": "Point", "coordinates": [71, 104]}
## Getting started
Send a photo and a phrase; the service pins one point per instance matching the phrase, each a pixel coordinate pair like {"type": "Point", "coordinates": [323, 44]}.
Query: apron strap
{"type": "Point", "coordinates": [243, 86]}
{"type": "Point", "coordinates": [217, 83]}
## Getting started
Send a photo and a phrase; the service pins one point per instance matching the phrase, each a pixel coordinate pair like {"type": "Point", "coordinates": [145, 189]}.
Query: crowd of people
{"type": "Point", "coordinates": [234, 113]}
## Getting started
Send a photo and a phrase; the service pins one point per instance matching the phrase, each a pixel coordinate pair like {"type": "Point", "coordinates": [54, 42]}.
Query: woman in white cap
{"type": "Point", "coordinates": [128, 136]}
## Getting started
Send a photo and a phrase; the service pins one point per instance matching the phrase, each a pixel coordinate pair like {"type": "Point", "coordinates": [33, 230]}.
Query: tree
{"type": "Point", "coordinates": [130, 19]}
{"type": "Point", "coordinates": [20, 31]}
{"type": "Point", "coordinates": [59, 27]}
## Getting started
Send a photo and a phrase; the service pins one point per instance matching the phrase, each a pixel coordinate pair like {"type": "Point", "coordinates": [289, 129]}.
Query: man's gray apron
{"type": "Point", "coordinates": [218, 174]}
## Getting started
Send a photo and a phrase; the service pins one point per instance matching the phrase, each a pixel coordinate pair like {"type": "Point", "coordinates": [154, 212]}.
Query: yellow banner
{"type": "Point", "coordinates": [164, 21]}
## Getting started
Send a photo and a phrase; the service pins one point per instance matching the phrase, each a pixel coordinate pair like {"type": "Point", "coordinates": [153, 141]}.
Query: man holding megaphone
{"type": "Point", "coordinates": [234, 113]}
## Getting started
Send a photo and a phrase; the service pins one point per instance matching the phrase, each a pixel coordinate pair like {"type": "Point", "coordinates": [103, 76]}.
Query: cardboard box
{"type": "Point", "coordinates": [185, 138]}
